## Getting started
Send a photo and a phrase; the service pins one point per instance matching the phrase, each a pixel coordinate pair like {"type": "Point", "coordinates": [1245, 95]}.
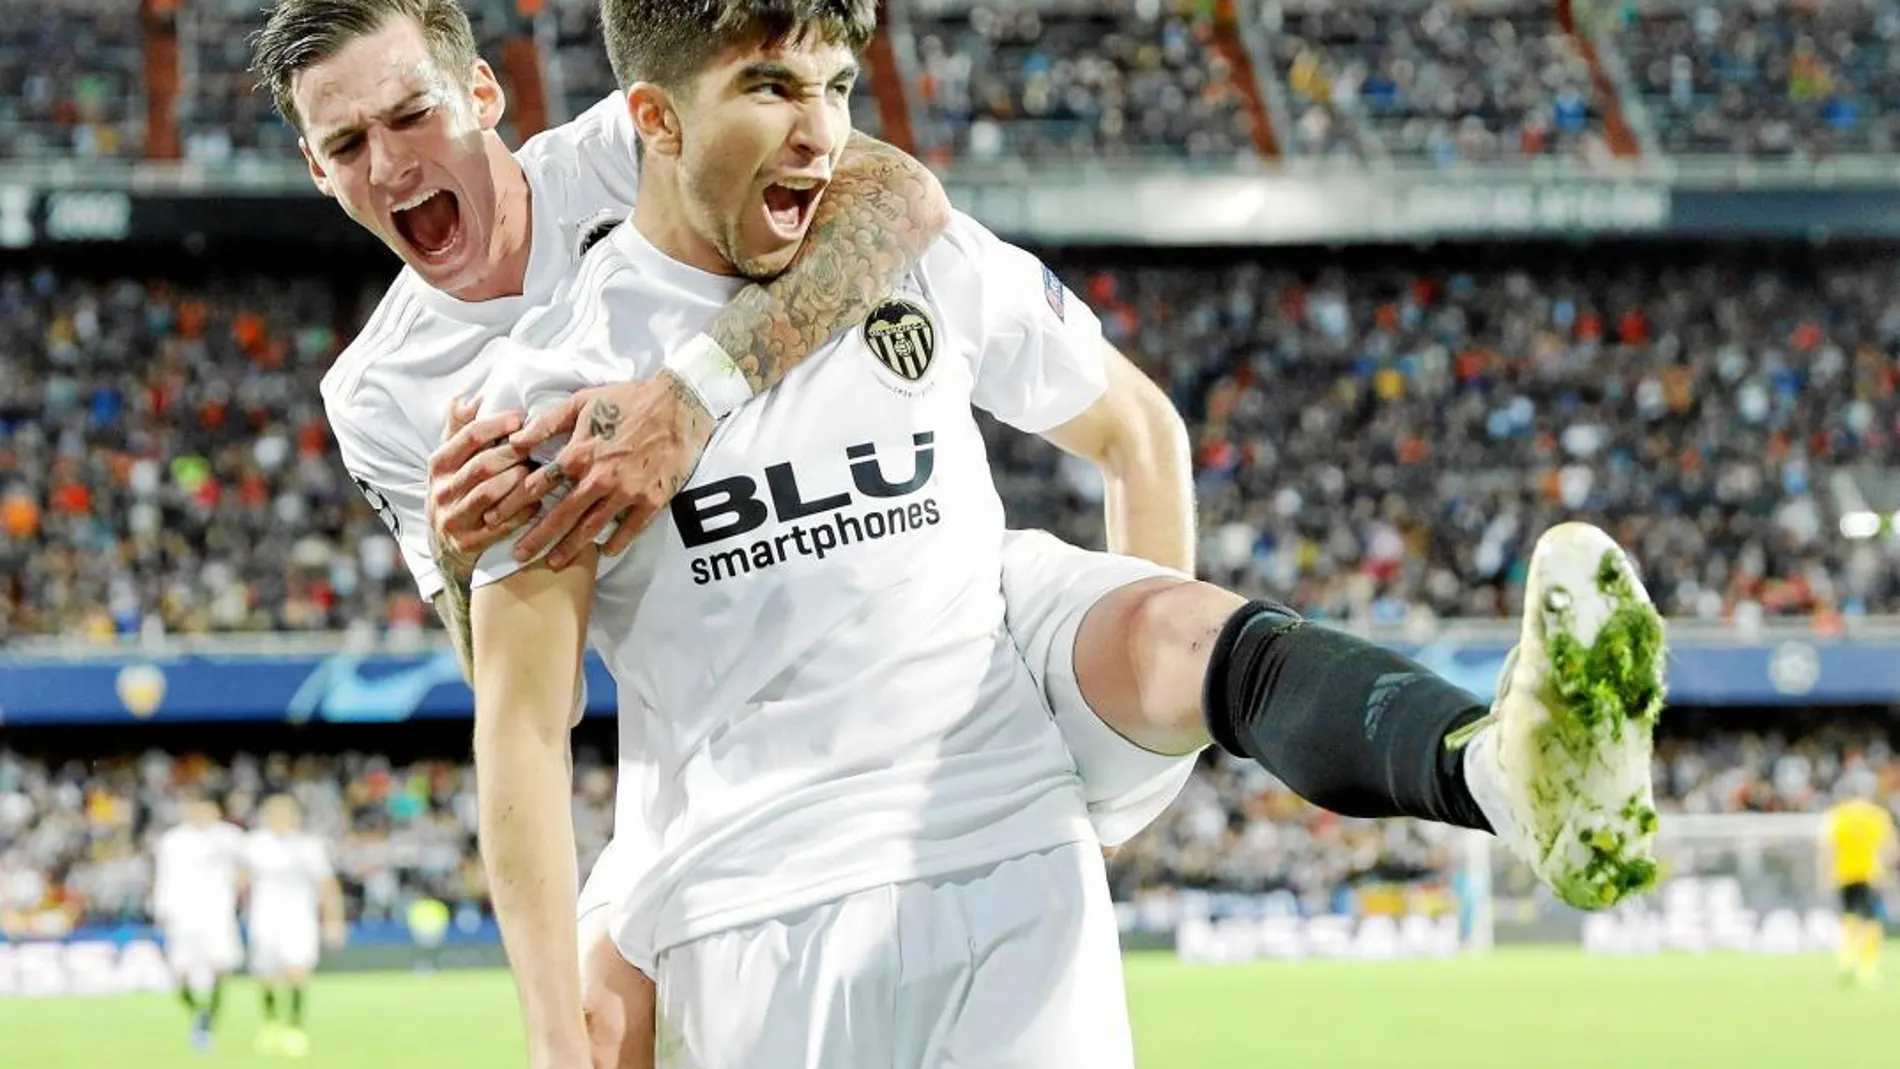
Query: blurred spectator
{"type": "Point", "coordinates": [1384, 444]}
{"type": "Point", "coordinates": [223, 115]}
{"type": "Point", "coordinates": [1443, 82]}
{"type": "Point", "coordinates": [70, 81]}
{"type": "Point", "coordinates": [1374, 443]}
{"type": "Point", "coordinates": [1074, 80]}
{"type": "Point", "coordinates": [167, 466]}
{"type": "Point", "coordinates": [1768, 79]}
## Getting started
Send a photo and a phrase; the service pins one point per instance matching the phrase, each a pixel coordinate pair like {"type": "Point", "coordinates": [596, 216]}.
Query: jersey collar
{"type": "Point", "coordinates": [650, 261]}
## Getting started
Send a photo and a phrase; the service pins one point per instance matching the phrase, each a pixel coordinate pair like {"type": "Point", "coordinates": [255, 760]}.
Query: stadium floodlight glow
{"type": "Point", "coordinates": [1860, 524]}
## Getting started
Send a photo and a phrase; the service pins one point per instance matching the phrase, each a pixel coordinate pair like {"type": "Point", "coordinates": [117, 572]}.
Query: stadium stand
{"type": "Point", "coordinates": [70, 80]}
{"type": "Point", "coordinates": [1378, 442]}
{"type": "Point", "coordinates": [1074, 80]}
{"type": "Point", "coordinates": [224, 116]}
{"type": "Point", "coordinates": [1768, 80]}
{"type": "Point", "coordinates": [167, 463]}
{"type": "Point", "coordinates": [1373, 443]}
{"type": "Point", "coordinates": [1437, 82]}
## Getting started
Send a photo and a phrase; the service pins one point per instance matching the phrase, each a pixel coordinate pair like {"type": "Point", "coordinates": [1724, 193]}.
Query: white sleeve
{"type": "Point", "coordinates": [237, 842]}
{"type": "Point", "coordinates": [1040, 362]}
{"type": "Point", "coordinates": [395, 481]}
{"type": "Point", "coordinates": [529, 379]}
{"type": "Point", "coordinates": [612, 153]}
{"type": "Point", "coordinates": [321, 867]}
{"type": "Point", "coordinates": [164, 877]}
{"type": "Point", "coordinates": [602, 146]}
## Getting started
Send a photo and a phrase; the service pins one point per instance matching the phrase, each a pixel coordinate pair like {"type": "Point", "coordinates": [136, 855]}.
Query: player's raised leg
{"type": "Point", "coordinates": [1557, 766]}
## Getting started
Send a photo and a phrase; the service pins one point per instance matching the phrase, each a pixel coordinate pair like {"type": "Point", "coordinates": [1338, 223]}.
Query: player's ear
{"type": "Point", "coordinates": [317, 174]}
{"type": "Point", "coordinates": [655, 118]}
{"type": "Point", "coordinates": [485, 88]}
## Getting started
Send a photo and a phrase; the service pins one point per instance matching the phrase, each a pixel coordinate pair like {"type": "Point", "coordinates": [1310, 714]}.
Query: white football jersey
{"type": "Point", "coordinates": [818, 693]}
{"type": "Point", "coordinates": [195, 873]}
{"type": "Point", "coordinates": [287, 876]}
{"type": "Point", "coordinates": [389, 392]}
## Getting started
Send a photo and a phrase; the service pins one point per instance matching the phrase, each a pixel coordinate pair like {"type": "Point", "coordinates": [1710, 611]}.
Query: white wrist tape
{"type": "Point", "coordinates": [711, 374]}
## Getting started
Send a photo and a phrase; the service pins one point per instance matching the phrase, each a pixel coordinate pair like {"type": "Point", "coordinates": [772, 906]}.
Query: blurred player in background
{"type": "Point", "coordinates": [295, 906]}
{"type": "Point", "coordinates": [1857, 856]}
{"type": "Point", "coordinates": [197, 879]}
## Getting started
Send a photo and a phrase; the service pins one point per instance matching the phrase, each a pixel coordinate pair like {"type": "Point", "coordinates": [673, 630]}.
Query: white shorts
{"type": "Point", "coordinates": [613, 873]}
{"type": "Point", "coordinates": [1015, 965]}
{"type": "Point", "coordinates": [198, 945]}
{"type": "Point", "coordinates": [1049, 586]}
{"type": "Point", "coordinates": [282, 946]}
{"type": "Point", "coordinates": [608, 883]}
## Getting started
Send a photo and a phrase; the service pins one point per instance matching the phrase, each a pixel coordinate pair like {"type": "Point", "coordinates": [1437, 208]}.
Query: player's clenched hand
{"type": "Point", "coordinates": [474, 468]}
{"type": "Point", "coordinates": [631, 447]}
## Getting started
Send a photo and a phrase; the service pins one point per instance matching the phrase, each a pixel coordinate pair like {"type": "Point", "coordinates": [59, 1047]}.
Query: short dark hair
{"type": "Point", "coordinates": [299, 34]}
{"type": "Point", "coordinates": [668, 42]}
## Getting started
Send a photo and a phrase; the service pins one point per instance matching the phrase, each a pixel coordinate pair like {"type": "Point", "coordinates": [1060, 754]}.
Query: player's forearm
{"type": "Point", "coordinates": [881, 212]}
{"type": "Point", "coordinates": [1149, 489]}
{"type": "Point", "coordinates": [527, 633]}
{"type": "Point", "coordinates": [527, 837]}
{"type": "Point", "coordinates": [330, 905]}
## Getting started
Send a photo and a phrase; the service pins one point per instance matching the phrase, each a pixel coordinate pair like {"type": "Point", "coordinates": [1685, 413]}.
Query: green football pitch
{"type": "Point", "coordinates": [1514, 1009]}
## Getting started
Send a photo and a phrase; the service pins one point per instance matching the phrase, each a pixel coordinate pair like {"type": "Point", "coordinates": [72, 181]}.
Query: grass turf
{"type": "Point", "coordinates": [1516, 1009]}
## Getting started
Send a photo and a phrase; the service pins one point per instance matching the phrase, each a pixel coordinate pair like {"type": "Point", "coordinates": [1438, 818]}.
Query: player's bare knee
{"type": "Point", "coordinates": [1141, 655]}
{"type": "Point", "coordinates": [1172, 634]}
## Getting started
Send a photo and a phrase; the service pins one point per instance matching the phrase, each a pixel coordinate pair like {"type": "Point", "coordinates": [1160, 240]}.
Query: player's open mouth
{"type": "Point", "coordinates": [788, 205]}
{"type": "Point", "coordinates": [431, 222]}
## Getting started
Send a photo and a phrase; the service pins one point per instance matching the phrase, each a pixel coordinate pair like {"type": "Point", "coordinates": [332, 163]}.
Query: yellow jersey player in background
{"type": "Point", "coordinates": [1857, 848]}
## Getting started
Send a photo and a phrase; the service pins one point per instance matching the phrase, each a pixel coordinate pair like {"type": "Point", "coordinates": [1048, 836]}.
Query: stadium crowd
{"type": "Point", "coordinates": [1075, 80]}
{"type": "Point", "coordinates": [70, 80]}
{"type": "Point", "coordinates": [1090, 80]}
{"type": "Point", "coordinates": [1439, 82]}
{"type": "Point", "coordinates": [1376, 445]}
{"type": "Point", "coordinates": [75, 837]}
{"type": "Point", "coordinates": [1768, 80]}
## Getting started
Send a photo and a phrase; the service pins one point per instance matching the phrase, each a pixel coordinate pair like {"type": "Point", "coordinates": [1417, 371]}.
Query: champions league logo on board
{"type": "Point", "coordinates": [902, 337]}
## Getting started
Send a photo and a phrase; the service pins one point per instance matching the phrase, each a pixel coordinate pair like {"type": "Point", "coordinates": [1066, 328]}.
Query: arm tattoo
{"type": "Point", "coordinates": [604, 420]}
{"type": "Point", "coordinates": [882, 212]}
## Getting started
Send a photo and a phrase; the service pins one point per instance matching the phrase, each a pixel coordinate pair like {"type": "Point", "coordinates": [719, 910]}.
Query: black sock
{"type": "Point", "coordinates": [1345, 724]}
{"type": "Point", "coordinates": [270, 1004]}
{"type": "Point", "coordinates": [190, 1000]}
{"type": "Point", "coordinates": [296, 1005]}
{"type": "Point", "coordinates": [212, 1003]}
